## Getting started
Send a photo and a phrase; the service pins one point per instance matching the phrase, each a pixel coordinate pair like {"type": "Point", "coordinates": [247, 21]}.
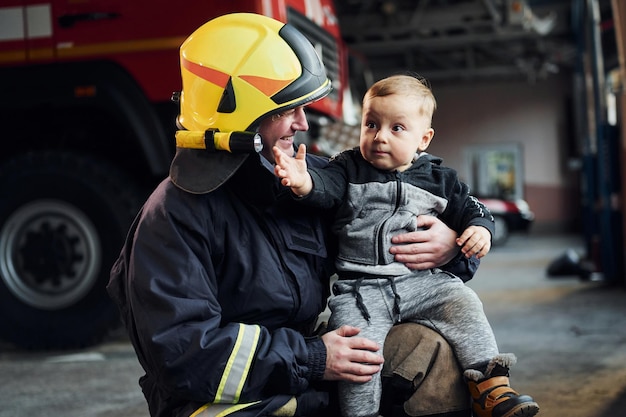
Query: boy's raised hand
{"type": "Point", "coordinates": [293, 171]}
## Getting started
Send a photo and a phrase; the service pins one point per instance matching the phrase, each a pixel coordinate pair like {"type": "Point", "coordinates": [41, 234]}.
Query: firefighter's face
{"type": "Point", "coordinates": [279, 130]}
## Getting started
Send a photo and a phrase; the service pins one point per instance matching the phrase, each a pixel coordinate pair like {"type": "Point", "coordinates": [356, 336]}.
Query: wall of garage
{"type": "Point", "coordinates": [536, 116]}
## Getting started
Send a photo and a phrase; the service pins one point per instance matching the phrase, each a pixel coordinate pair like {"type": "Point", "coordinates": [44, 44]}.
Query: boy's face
{"type": "Point", "coordinates": [392, 130]}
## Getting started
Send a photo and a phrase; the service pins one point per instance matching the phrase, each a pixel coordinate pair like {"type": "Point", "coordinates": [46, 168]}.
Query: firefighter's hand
{"type": "Point", "coordinates": [350, 358]}
{"type": "Point", "coordinates": [432, 247]}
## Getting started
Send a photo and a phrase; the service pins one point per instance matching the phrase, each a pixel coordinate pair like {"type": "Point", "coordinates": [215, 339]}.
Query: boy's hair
{"type": "Point", "coordinates": [408, 85]}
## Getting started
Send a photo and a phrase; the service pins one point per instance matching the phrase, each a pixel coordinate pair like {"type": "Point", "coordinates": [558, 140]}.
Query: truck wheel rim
{"type": "Point", "coordinates": [49, 254]}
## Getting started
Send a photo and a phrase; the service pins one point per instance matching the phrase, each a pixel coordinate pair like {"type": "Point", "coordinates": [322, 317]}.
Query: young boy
{"type": "Point", "coordinates": [377, 191]}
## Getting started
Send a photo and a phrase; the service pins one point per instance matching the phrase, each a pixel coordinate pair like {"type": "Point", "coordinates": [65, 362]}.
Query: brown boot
{"type": "Point", "coordinates": [492, 396]}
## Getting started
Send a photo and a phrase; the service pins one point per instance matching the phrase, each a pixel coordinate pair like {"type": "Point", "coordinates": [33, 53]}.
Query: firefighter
{"type": "Point", "coordinates": [222, 276]}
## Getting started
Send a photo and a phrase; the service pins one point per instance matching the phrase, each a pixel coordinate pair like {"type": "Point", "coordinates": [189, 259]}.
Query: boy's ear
{"type": "Point", "coordinates": [426, 138]}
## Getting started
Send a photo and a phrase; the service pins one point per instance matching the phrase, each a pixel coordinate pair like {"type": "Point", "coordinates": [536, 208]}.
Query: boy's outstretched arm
{"type": "Point", "coordinates": [293, 171]}
{"type": "Point", "coordinates": [475, 240]}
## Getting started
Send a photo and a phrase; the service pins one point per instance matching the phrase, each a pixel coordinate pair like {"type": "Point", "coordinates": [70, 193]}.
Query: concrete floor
{"type": "Point", "coordinates": [569, 337]}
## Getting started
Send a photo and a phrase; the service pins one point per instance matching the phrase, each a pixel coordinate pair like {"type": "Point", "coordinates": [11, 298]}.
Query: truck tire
{"type": "Point", "coordinates": [63, 218]}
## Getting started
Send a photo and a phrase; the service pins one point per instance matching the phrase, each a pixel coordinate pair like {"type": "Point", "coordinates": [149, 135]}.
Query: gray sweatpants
{"type": "Point", "coordinates": [433, 298]}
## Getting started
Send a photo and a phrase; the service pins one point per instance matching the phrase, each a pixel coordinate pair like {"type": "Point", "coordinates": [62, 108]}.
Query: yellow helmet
{"type": "Point", "coordinates": [236, 70]}
{"type": "Point", "coordinates": [239, 68]}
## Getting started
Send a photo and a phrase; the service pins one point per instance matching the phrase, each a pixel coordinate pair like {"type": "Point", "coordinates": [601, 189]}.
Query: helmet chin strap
{"type": "Point", "coordinates": [213, 140]}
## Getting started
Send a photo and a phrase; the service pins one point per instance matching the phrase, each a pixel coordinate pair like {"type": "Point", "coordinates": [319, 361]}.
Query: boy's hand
{"type": "Point", "coordinates": [475, 240]}
{"type": "Point", "coordinates": [293, 171]}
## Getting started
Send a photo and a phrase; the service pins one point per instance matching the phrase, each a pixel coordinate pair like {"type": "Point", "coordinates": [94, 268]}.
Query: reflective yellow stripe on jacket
{"type": "Point", "coordinates": [218, 410]}
{"type": "Point", "coordinates": [234, 376]}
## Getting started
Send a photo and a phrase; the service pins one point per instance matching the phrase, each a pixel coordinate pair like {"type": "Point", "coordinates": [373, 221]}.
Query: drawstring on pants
{"type": "Point", "coordinates": [361, 305]}
{"type": "Point", "coordinates": [359, 299]}
{"type": "Point", "coordinates": [396, 301]}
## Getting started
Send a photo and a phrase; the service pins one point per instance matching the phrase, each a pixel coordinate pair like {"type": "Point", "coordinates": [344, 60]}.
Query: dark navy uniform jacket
{"type": "Point", "coordinates": [217, 290]}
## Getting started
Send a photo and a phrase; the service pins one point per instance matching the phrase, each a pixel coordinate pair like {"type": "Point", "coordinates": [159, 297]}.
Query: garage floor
{"type": "Point", "coordinates": [569, 335]}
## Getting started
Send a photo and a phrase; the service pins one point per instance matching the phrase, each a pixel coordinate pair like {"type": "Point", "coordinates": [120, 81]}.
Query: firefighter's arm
{"type": "Point", "coordinates": [184, 340]}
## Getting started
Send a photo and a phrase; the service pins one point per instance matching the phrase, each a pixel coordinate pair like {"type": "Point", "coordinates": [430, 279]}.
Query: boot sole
{"type": "Point", "coordinates": [524, 410]}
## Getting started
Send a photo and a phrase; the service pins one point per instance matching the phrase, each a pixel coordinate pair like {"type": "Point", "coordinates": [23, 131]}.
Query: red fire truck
{"type": "Point", "coordinates": [88, 131]}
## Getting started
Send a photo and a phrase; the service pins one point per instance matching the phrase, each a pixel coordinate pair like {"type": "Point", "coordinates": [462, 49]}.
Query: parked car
{"type": "Point", "coordinates": [510, 216]}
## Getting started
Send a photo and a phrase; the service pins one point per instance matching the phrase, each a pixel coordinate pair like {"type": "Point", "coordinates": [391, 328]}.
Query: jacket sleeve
{"type": "Point", "coordinates": [462, 267]}
{"type": "Point", "coordinates": [167, 286]}
{"type": "Point", "coordinates": [330, 183]}
{"type": "Point", "coordinates": [463, 210]}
